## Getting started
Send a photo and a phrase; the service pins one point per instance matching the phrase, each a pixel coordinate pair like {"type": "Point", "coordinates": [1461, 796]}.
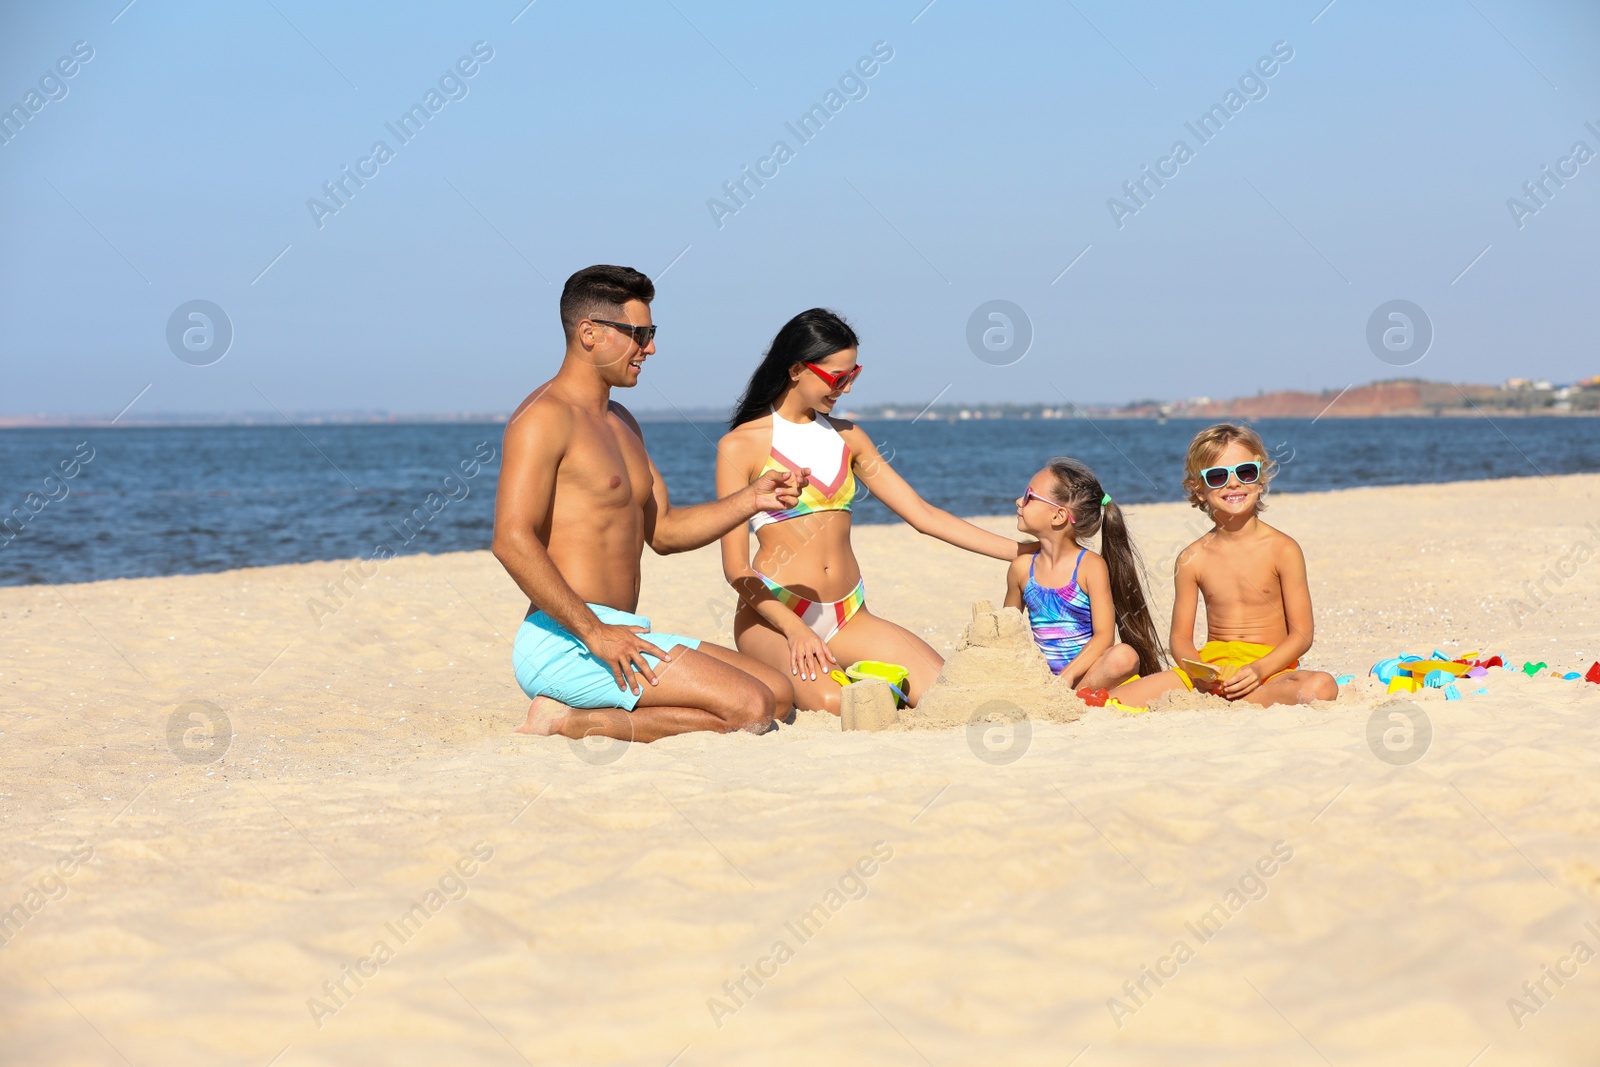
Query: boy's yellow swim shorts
{"type": "Point", "coordinates": [1230, 656]}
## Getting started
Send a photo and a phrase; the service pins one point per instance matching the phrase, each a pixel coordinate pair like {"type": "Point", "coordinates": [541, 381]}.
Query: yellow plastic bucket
{"type": "Point", "coordinates": [892, 673]}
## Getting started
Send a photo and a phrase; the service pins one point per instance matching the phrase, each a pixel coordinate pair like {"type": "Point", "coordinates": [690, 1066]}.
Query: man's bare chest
{"type": "Point", "coordinates": [607, 468]}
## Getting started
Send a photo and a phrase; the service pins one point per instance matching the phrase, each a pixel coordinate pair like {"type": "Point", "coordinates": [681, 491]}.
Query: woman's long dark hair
{"type": "Point", "coordinates": [809, 337]}
{"type": "Point", "coordinates": [1079, 490]}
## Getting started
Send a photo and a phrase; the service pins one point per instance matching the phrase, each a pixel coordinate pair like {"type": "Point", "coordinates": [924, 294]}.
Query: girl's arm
{"type": "Point", "coordinates": [808, 655]}
{"type": "Point", "coordinates": [1185, 602]}
{"type": "Point", "coordinates": [1096, 581]}
{"type": "Point", "coordinates": [897, 495]}
{"type": "Point", "coordinates": [1016, 578]}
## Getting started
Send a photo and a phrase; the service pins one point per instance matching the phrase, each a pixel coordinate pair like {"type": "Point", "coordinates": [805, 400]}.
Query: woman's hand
{"type": "Point", "coordinates": [809, 656]}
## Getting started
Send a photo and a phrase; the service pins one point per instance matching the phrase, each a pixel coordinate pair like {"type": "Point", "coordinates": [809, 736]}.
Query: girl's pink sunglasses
{"type": "Point", "coordinates": [1028, 494]}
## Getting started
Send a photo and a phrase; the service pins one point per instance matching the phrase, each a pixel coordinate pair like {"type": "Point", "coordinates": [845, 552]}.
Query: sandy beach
{"type": "Point", "coordinates": [364, 864]}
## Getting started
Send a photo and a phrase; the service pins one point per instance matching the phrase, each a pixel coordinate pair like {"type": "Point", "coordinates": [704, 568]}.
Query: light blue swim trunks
{"type": "Point", "coordinates": [551, 662]}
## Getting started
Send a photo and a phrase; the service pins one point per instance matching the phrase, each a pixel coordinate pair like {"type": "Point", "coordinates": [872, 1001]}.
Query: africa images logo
{"type": "Point", "coordinates": [452, 87]}
{"type": "Point", "coordinates": [199, 332]}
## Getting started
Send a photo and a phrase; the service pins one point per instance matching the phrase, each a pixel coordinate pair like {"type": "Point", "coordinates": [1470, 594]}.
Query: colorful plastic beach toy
{"type": "Point", "coordinates": [1531, 669]}
{"type": "Point", "coordinates": [1430, 666]}
{"type": "Point", "coordinates": [1095, 698]}
{"type": "Point", "coordinates": [1386, 670]}
{"type": "Point", "coordinates": [1344, 680]}
{"type": "Point", "coordinates": [1410, 674]}
{"type": "Point", "coordinates": [892, 673]}
{"type": "Point", "coordinates": [1594, 674]}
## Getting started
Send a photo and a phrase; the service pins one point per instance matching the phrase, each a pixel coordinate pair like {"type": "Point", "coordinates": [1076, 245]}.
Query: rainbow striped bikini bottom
{"type": "Point", "coordinates": [823, 617]}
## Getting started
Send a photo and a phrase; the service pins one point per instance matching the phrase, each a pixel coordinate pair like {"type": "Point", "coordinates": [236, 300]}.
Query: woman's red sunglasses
{"type": "Point", "coordinates": [835, 381]}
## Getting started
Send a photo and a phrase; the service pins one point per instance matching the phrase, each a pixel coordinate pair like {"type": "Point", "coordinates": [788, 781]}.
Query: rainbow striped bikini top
{"type": "Point", "coordinates": [817, 445]}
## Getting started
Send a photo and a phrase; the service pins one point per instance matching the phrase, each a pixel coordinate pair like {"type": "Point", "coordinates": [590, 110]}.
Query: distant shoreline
{"type": "Point", "coordinates": [1406, 398]}
{"type": "Point", "coordinates": [47, 422]}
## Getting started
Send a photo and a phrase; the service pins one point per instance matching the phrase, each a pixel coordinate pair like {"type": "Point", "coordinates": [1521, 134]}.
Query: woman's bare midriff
{"type": "Point", "coordinates": [810, 555]}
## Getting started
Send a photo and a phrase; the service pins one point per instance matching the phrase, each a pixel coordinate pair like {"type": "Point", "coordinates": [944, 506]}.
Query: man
{"type": "Point", "coordinates": [579, 498]}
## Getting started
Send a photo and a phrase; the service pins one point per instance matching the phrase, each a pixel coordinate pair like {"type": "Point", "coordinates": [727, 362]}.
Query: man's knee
{"type": "Point", "coordinates": [751, 707]}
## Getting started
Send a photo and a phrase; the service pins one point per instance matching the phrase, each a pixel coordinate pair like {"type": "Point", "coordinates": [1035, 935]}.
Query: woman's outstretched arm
{"type": "Point", "coordinates": [873, 471]}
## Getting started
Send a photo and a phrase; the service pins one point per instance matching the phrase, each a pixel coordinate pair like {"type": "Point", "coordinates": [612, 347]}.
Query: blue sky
{"type": "Point", "coordinates": [975, 164]}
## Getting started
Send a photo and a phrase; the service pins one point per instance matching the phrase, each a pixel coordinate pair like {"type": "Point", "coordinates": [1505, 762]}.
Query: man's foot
{"type": "Point", "coordinates": [545, 717]}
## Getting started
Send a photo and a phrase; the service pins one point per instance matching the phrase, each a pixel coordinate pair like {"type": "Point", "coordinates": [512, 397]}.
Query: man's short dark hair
{"type": "Point", "coordinates": [601, 290]}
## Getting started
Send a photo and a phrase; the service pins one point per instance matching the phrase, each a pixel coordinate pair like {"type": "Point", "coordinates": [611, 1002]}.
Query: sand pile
{"type": "Point", "coordinates": [995, 674]}
{"type": "Point", "coordinates": [1443, 851]}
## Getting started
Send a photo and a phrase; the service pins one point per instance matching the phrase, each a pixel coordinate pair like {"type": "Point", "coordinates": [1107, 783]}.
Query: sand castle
{"type": "Point", "coordinates": [995, 661]}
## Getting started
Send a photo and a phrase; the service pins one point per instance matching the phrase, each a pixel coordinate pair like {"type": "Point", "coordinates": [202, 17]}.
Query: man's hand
{"type": "Point", "coordinates": [621, 648]}
{"type": "Point", "coordinates": [779, 490]}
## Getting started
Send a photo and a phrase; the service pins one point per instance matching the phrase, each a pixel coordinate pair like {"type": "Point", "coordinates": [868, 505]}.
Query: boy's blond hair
{"type": "Point", "coordinates": [1208, 444]}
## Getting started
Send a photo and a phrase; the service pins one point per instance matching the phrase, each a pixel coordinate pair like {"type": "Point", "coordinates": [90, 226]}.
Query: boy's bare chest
{"type": "Point", "coordinates": [1239, 578]}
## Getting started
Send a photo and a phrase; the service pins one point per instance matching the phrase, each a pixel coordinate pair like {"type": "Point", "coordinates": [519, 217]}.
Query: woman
{"type": "Point", "coordinates": [802, 603]}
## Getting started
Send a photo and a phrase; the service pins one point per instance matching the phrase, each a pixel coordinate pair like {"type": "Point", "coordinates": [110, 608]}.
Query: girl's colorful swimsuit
{"type": "Point", "coordinates": [817, 445]}
{"type": "Point", "coordinates": [1061, 619]}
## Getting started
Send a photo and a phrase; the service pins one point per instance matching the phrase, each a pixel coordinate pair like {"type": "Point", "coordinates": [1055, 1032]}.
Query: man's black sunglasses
{"type": "Point", "coordinates": [642, 335]}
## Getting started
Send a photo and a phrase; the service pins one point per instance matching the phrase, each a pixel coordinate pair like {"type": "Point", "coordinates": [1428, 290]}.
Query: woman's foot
{"type": "Point", "coordinates": [545, 717]}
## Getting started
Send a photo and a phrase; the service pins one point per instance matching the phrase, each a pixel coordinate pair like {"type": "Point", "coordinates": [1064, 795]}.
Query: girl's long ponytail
{"type": "Point", "coordinates": [1127, 590]}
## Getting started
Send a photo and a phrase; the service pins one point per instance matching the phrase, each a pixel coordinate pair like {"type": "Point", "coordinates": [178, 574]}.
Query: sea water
{"type": "Point", "coordinates": [183, 500]}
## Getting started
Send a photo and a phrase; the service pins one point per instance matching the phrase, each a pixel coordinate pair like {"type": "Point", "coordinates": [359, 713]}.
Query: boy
{"type": "Point", "coordinates": [1253, 579]}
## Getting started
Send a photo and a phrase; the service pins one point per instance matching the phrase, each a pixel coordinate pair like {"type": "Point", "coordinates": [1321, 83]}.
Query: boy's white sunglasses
{"type": "Point", "coordinates": [1217, 477]}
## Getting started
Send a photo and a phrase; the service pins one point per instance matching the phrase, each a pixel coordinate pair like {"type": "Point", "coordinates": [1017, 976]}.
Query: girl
{"type": "Point", "coordinates": [1077, 600]}
{"type": "Point", "coordinates": [802, 602]}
